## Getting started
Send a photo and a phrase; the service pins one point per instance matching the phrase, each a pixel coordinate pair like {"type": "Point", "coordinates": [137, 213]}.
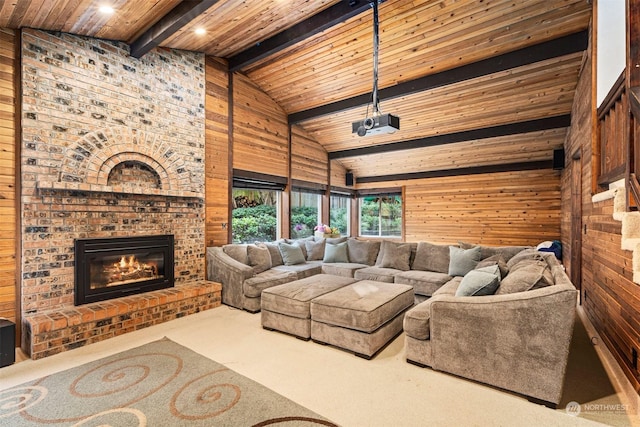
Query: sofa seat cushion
{"type": "Point", "coordinates": [423, 282]}
{"type": "Point", "coordinates": [344, 269]}
{"type": "Point", "coordinates": [362, 306]}
{"type": "Point", "coordinates": [416, 321]}
{"type": "Point", "coordinates": [303, 270]}
{"type": "Point", "coordinates": [449, 288]}
{"type": "Point", "coordinates": [379, 274]}
{"type": "Point", "coordinates": [294, 298]}
{"type": "Point", "coordinates": [253, 287]}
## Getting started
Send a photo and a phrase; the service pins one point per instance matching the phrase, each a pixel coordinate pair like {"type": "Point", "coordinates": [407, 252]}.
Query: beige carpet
{"type": "Point", "coordinates": [384, 391]}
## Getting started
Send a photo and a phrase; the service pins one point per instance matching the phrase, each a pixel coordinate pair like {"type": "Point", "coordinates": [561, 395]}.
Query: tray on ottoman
{"type": "Point", "coordinates": [361, 317]}
{"type": "Point", "coordinates": [285, 307]}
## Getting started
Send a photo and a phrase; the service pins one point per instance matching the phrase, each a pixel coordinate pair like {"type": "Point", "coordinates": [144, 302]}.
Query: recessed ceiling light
{"type": "Point", "coordinates": [200, 31]}
{"type": "Point", "coordinates": [107, 10]}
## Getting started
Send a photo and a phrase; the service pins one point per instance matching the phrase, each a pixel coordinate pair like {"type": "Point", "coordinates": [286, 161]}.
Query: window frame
{"type": "Point", "coordinates": [380, 195]}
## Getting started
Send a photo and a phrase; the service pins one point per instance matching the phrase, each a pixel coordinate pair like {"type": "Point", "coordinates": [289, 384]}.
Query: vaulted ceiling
{"type": "Point", "coordinates": [478, 85]}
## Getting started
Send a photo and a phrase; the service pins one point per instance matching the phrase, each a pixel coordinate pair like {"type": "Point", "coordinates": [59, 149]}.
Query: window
{"type": "Point", "coordinates": [255, 216]}
{"type": "Point", "coordinates": [340, 213]}
{"type": "Point", "coordinates": [305, 213]}
{"type": "Point", "coordinates": [381, 215]}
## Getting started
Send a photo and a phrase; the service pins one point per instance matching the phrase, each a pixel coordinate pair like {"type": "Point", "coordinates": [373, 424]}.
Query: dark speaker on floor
{"type": "Point", "coordinates": [349, 179]}
{"type": "Point", "coordinates": [7, 342]}
{"type": "Point", "coordinates": [558, 158]}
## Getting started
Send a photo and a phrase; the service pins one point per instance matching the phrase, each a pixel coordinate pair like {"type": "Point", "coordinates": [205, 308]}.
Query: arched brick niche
{"type": "Point", "coordinates": [92, 159]}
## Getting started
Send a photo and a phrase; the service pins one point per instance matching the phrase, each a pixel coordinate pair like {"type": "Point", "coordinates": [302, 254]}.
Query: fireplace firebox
{"type": "Point", "coordinates": [120, 266]}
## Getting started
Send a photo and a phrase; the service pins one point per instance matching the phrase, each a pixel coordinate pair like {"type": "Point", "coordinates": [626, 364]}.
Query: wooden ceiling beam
{"type": "Point", "coordinates": [468, 135]}
{"type": "Point", "coordinates": [474, 170]}
{"type": "Point", "coordinates": [540, 52]}
{"type": "Point", "coordinates": [179, 16]}
{"type": "Point", "coordinates": [331, 16]}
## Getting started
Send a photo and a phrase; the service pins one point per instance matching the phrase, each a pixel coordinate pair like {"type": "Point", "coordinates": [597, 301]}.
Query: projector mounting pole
{"type": "Point", "coordinates": [376, 101]}
{"type": "Point", "coordinates": [377, 123]}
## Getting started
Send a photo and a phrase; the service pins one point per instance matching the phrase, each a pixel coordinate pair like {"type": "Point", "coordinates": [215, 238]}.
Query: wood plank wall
{"type": "Point", "coordinates": [216, 152]}
{"type": "Point", "coordinates": [260, 130]}
{"type": "Point", "coordinates": [508, 208]}
{"type": "Point", "coordinates": [8, 153]}
{"type": "Point", "coordinates": [338, 174]}
{"type": "Point", "coordinates": [309, 160]}
{"type": "Point", "coordinates": [610, 298]}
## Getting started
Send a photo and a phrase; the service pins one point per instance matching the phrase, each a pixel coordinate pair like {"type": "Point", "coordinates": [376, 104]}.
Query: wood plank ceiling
{"type": "Point", "coordinates": [324, 80]}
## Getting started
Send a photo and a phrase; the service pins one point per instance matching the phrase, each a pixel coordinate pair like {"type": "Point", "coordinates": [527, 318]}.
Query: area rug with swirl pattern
{"type": "Point", "coordinates": [157, 384]}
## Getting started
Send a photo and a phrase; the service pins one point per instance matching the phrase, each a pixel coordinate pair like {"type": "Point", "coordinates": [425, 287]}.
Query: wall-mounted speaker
{"type": "Point", "coordinates": [349, 179]}
{"type": "Point", "coordinates": [558, 158]}
{"type": "Point", "coordinates": [7, 342]}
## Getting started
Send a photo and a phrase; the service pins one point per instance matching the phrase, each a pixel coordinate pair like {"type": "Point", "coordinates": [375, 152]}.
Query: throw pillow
{"type": "Point", "coordinates": [383, 248]}
{"type": "Point", "coordinates": [259, 258]}
{"type": "Point", "coordinates": [315, 250]}
{"type": "Point", "coordinates": [276, 258]}
{"type": "Point", "coordinates": [396, 256]}
{"type": "Point", "coordinates": [335, 253]}
{"type": "Point", "coordinates": [462, 261]}
{"type": "Point", "coordinates": [430, 257]}
{"type": "Point", "coordinates": [480, 282]}
{"type": "Point", "coordinates": [291, 254]}
{"type": "Point", "coordinates": [497, 260]}
{"type": "Point", "coordinates": [363, 251]}
{"type": "Point", "coordinates": [528, 274]}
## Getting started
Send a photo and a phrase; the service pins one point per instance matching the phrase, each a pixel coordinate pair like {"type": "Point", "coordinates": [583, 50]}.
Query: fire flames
{"type": "Point", "coordinates": [130, 269]}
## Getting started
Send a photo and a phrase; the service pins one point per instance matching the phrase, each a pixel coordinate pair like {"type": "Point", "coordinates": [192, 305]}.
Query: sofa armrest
{"type": "Point", "coordinates": [517, 341]}
{"type": "Point", "coordinates": [231, 273]}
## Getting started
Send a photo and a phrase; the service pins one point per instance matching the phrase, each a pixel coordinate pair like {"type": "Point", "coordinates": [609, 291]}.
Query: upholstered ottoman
{"type": "Point", "coordinates": [285, 307]}
{"type": "Point", "coordinates": [362, 317]}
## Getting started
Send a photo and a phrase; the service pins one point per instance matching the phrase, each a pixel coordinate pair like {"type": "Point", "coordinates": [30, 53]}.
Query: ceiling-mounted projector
{"type": "Point", "coordinates": [383, 123]}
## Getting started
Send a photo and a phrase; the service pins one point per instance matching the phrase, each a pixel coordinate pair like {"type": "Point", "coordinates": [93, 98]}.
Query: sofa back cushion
{"type": "Point", "coordinates": [362, 251]}
{"type": "Point", "coordinates": [487, 251]}
{"type": "Point", "coordinates": [259, 258]}
{"type": "Point", "coordinates": [237, 251]}
{"type": "Point", "coordinates": [431, 257]}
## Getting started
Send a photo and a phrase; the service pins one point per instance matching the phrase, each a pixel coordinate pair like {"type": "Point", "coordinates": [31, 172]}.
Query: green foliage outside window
{"type": "Point", "coordinates": [381, 216]}
{"type": "Point", "coordinates": [256, 224]}
{"type": "Point", "coordinates": [303, 220]}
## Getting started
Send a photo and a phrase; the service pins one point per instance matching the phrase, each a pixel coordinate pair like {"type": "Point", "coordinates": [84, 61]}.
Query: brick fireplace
{"type": "Point", "coordinates": [112, 146]}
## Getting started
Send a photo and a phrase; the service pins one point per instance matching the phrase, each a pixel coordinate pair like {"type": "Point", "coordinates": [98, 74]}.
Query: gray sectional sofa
{"type": "Point", "coordinates": [499, 315]}
{"type": "Point", "coordinates": [516, 339]}
{"type": "Point", "coordinates": [245, 270]}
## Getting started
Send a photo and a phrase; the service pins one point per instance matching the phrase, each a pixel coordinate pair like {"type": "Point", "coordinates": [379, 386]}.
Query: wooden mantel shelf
{"type": "Point", "coordinates": [94, 188]}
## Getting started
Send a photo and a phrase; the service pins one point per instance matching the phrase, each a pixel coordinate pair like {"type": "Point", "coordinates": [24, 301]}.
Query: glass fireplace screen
{"type": "Point", "coordinates": [120, 266]}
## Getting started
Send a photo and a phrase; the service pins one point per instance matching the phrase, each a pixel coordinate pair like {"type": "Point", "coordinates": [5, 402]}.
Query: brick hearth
{"type": "Point", "coordinates": [54, 332]}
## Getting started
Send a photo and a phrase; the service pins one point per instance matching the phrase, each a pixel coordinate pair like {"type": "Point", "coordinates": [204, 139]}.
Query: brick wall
{"type": "Point", "coordinates": [90, 109]}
